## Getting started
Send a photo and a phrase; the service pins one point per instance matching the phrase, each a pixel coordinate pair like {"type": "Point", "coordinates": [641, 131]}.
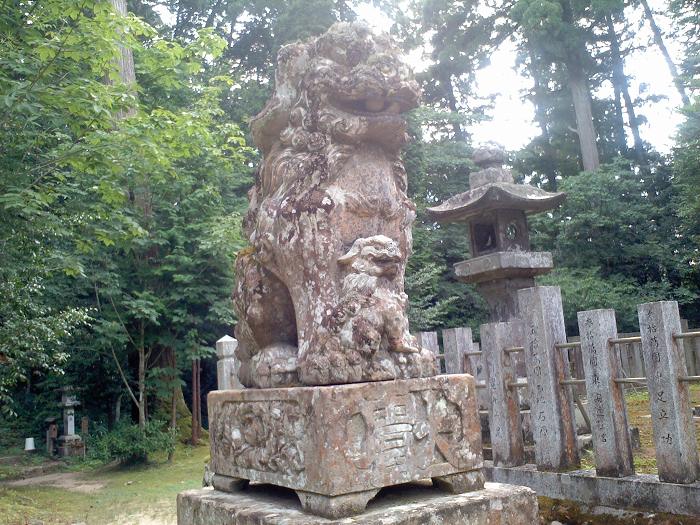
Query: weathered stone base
{"type": "Point", "coordinates": [414, 504]}
{"type": "Point", "coordinates": [69, 446]}
{"type": "Point", "coordinates": [338, 445]}
{"type": "Point", "coordinates": [642, 492]}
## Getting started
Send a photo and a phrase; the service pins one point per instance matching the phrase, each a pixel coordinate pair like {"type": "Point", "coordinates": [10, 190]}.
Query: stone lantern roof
{"type": "Point", "coordinates": [495, 209]}
{"type": "Point", "coordinates": [493, 188]}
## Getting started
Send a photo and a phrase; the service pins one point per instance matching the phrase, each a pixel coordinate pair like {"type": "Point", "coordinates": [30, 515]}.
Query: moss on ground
{"type": "Point", "coordinates": [570, 513]}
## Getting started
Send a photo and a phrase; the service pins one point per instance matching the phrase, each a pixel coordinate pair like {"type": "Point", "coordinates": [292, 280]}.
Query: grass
{"type": "Point", "coordinates": [19, 463]}
{"type": "Point", "coordinates": [637, 412]}
{"type": "Point", "coordinates": [142, 494]}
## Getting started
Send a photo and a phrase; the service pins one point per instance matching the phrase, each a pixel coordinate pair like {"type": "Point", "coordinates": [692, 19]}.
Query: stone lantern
{"type": "Point", "coordinates": [70, 443]}
{"type": "Point", "coordinates": [495, 210]}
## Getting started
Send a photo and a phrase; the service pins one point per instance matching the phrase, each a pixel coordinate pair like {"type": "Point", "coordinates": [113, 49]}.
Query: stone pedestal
{"type": "Point", "coordinates": [337, 446]}
{"type": "Point", "coordinates": [69, 446]}
{"type": "Point", "coordinates": [405, 505]}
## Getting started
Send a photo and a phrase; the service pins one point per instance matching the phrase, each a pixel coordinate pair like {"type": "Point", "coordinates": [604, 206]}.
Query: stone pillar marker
{"type": "Point", "coordinates": [456, 343]}
{"type": "Point", "coordinates": [69, 421]}
{"type": "Point", "coordinates": [551, 405]}
{"type": "Point", "coordinates": [504, 414]}
{"type": "Point", "coordinates": [227, 364]}
{"type": "Point", "coordinates": [606, 401]}
{"type": "Point", "coordinates": [674, 430]}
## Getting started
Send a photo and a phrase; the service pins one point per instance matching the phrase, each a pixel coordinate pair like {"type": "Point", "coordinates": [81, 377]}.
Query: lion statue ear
{"type": "Point", "coordinates": [266, 126]}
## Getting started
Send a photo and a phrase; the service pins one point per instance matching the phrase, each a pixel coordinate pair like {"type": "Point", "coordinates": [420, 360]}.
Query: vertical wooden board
{"type": "Point", "coordinates": [552, 408]}
{"type": "Point", "coordinates": [504, 415]}
{"type": "Point", "coordinates": [672, 422]}
{"type": "Point", "coordinates": [429, 340]}
{"type": "Point", "coordinates": [606, 401]}
{"type": "Point", "coordinates": [456, 342]}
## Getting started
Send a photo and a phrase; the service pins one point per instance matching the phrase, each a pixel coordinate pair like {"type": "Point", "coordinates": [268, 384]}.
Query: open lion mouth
{"type": "Point", "coordinates": [372, 106]}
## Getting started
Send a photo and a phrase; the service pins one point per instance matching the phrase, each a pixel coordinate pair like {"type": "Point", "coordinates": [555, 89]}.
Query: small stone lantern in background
{"type": "Point", "coordinates": [70, 443]}
{"type": "Point", "coordinates": [495, 210]}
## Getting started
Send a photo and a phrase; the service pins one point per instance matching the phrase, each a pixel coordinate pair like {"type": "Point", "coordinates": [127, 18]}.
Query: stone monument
{"type": "Point", "coordinates": [70, 443]}
{"type": "Point", "coordinates": [342, 401]}
{"type": "Point", "coordinates": [495, 209]}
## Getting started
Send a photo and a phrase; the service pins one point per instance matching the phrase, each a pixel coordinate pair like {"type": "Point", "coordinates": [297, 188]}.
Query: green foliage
{"type": "Point", "coordinates": [33, 335]}
{"type": "Point", "coordinates": [585, 289]}
{"type": "Point", "coordinates": [686, 171]}
{"type": "Point", "coordinates": [427, 311]}
{"type": "Point", "coordinates": [616, 241]}
{"type": "Point", "coordinates": [128, 444]}
{"type": "Point", "coordinates": [120, 205]}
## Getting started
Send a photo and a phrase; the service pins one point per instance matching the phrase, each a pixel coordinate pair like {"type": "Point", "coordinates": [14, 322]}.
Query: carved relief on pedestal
{"type": "Point", "coordinates": [266, 436]}
{"type": "Point", "coordinates": [347, 438]}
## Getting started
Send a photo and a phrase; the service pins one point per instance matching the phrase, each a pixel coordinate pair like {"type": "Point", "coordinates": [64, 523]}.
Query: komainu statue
{"type": "Point", "coordinates": [320, 293]}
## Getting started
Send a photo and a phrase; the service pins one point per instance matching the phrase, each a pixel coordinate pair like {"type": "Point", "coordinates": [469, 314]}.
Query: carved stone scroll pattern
{"type": "Point", "coordinates": [266, 436]}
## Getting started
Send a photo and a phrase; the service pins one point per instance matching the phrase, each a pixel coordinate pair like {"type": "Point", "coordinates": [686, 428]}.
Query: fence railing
{"type": "Point", "coordinates": [663, 358]}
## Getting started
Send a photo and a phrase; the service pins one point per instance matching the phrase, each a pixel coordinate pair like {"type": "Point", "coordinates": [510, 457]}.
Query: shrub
{"type": "Point", "coordinates": [129, 444]}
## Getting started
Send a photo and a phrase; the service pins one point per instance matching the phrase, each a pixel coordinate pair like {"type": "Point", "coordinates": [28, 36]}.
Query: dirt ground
{"type": "Point", "coordinates": [61, 480]}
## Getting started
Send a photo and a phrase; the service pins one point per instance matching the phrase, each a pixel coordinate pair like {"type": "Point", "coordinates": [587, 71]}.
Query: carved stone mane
{"type": "Point", "coordinates": [319, 294]}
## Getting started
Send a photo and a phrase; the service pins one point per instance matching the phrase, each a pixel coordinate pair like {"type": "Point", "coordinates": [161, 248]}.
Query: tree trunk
{"type": "Point", "coordinates": [127, 73]}
{"type": "Point", "coordinates": [659, 40]}
{"type": "Point", "coordinates": [621, 84]}
{"type": "Point", "coordinates": [173, 398]}
{"type": "Point", "coordinates": [196, 403]}
{"type": "Point", "coordinates": [142, 377]}
{"type": "Point", "coordinates": [446, 81]}
{"type": "Point", "coordinates": [620, 136]}
{"type": "Point", "coordinates": [581, 96]}
{"type": "Point", "coordinates": [540, 98]}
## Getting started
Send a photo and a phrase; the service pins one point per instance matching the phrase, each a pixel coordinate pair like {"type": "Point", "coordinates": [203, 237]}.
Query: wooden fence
{"type": "Point", "coordinates": [533, 359]}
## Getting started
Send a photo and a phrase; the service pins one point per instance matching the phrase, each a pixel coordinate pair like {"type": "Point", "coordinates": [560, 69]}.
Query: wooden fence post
{"type": "Point", "coordinates": [429, 340]}
{"type": "Point", "coordinates": [499, 371]}
{"type": "Point", "coordinates": [688, 351]}
{"type": "Point", "coordinates": [664, 360]}
{"type": "Point", "coordinates": [456, 342]}
{"type": "Point", "coordinates": [552, 409]}
{"type": "Point", "coordinates": [606, 400]}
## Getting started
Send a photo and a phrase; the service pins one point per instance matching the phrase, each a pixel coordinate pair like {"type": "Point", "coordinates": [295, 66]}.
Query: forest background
{"type": "Point", "coordinates": [121, 203]}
